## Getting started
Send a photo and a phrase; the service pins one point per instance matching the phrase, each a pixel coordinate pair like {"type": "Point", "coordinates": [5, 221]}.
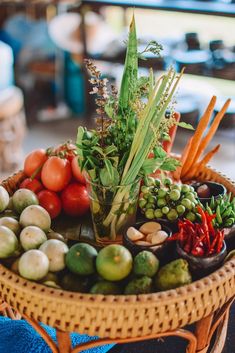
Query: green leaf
{"type": "Point", "coordinates": [170, 164]}
{"type": "Point", "coordinates": [98, 149]}
{"type": "Point", "coordinates": [110, 149]}
{"type": "Point", "coordinates": [184, 125]}
{"type": "Point", "coordinates": [159, 152]}
{"type": "Point", "coordinates": [105, 177]}
{"type": "Point", "coordinates": [109, 168]}
{"type": "Point", "coordinates": [150, 166]}
{"type": "Point", "coordinates": [80, 134]}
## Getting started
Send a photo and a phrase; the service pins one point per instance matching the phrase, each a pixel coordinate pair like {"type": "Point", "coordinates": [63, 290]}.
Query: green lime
{"type": "Point", "coordinates": [105, 287]}
{"type": "Point", "coordinates": [145, 264]}
{"type": "Point", "coordinates": [81, 259]}
{"type": "Point", "coordinates": [114, 262]}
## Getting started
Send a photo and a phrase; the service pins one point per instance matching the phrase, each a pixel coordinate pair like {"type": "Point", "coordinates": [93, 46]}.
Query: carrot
{"type": "Point", "coordinates": [203, 123]}
{"type": "Point", "coordinates": [212, 130]}
{"type": "Point", "coordinates": [167, 145]}
{"type": "Point", "coordinates": [183, 158]}
{"type": "Point", "coordinates": [200, 165]}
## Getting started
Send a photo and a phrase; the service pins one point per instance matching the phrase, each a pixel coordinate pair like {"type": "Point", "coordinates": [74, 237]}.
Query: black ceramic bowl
{"type": "Point", "coordinates": [162, 251]}
{"type": "Point", "coordinates": [201, 266]}
{"type": "Point", "coordinates": [216, 190]}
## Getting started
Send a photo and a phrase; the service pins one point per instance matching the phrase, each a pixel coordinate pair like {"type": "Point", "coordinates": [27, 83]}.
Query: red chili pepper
{"type": "Point", "coordinates": [198, 251]}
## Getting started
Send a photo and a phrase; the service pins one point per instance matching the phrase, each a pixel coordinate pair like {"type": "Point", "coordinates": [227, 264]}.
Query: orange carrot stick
{"type": "Point", "coordinates": [212, 130]}
{"type": "Point", "coordinates": [200, 165]}
{"type": "Point", "coordinates": [203, 123]}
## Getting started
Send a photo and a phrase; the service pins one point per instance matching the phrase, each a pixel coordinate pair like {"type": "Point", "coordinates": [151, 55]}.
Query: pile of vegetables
{"type": "Point", "coordinates": [167, 200]}
{"type": "Point", "coordinates": [55, 176]}
{"type": "Point", "coordinates": [199, 239]}
{"type": "Point", "coordinates": [224, 209]}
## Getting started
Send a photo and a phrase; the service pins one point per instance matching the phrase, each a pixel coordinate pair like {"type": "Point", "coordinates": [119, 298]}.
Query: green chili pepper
{"type": "Point", "coordinates": [218, 215]}
{"type": "Point", "coordinates": [226, 213]}
{"type": "Point", "coordinates": [212, 203]}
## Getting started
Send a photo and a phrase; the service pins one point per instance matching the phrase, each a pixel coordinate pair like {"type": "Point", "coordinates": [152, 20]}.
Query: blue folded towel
{"type": "Point", "coordinates": [17, 336]}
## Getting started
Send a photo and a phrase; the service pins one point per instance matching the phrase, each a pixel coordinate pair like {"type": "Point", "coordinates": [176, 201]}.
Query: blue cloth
{"type": "Point", "coordinates": [17, 336]}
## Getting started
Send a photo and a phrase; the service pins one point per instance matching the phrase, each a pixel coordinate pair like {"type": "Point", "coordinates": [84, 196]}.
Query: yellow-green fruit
{"type": "Point", "coordinates": [55, 250]}
{"type": "Point", "coordinates": [8, 242]}
{"type": "Point", "coordinates": [114, 262]}
{"type": "Point", "coordinates": [11, 223]}
{"type": "Point", "coordinates": [4, 199]}
{"type": "Point", "coordinates": [32, 237]}
{"type": "Point", "coordinates": [33, 265]}
{"type": "Point", "coordinates": [23, 198]}
{"type": "Point", "coordinates": [36, 216]}
{"type": "Point", "coordinates": [145, 264]}
{"type": "Point", "coordinates": [81, 259]}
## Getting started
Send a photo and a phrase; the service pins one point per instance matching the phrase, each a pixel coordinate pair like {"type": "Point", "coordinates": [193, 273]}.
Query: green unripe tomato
{"type": "Point", "coordinates": [146, 196]}
{"type": "Point", "coordinates": [172, 215]}
{"type": "Point", "coordinates": [162, 193]}
{"type": "Point", "coordinates": [191, 216]}
{"type": "Point", "coordinates": [161, 202]}
{"type": "Point", "coordinates": [158, 213]}
{"type": "Point", "coordinates": [165, 210]}
{"type": "Point", "coordinates": [142, 203]}
{"type": "Point", "coordinates": [149, 213]}
{"type": "Point", "coordinates": [175, 195]}
{"type": "Point", "coordinates": [157, 183]}
{"type": "Point", "coordinates": [149, 181]}
{"type": "Point", "coordinates": [185, 188]}
{"type": "Point", "coordinates": [148, 206]}
{"type": "Point", "coordinates": [151, 199]}
{"type": "Point", "coordinates": [144, 189]}
{"type": "Point", "coordinates": [167, 181]}
{"type": "Point", "coordinates": [190, 196]}
{"type": "Point", "coordinates": [180, 209]}
{"type": "Point", "coordinates": [186, 203]}
{"type": "Point", "coordinates": [176, 187]}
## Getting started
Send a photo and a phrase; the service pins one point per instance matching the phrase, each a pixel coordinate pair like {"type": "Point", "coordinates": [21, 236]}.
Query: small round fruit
{"type": "Point", "coordinates": [149, 181]}
{"type": "Point", "coordinates": [142, 203]}
{"type": "Point", "coordinates": [56, 251]}
{"type": "Point", "coordinates": [149, 213]}
{"type": "Point", "coordinates": [180, 209]}
{"type": "Point", "coordinates": [33, 265]}
{"type": "Point", "coordinates": [75, 200]}
{"type": "Point", "coordinates": [32, 184]}
{"type": "Point", "coordinates": [139, 285]}
{"type": "Point", "coordinates": [145, 189]}
{"type": "Point", "coordinates": [51, 202]}
{"type": "Point", "coordinates": [158, 213]}
{"type": "Point", "coordinates": [105, 287]}
{"type": "Point", "coordinates": [185, 188]}
{"type": "Point", "coordinates": [36, 216]}
{"type": "Point", "coordinates": [55, 235]}
{"type": "Point", "coordinates": [11, 223]}
{"type": "Point", "coordinates": [34, 162]}
{"type": "Point", "coordinates": [175, 195]}
{"type": "Point", "coordinates": [145, 264]}
{"type": "Point", "coordinates": [191, 216]}
{"type": "Point", "coordinates": [56, 173]}
{"type": "Point", "coordinates": [172, 215]}
{"type": "Point", "coordinates": [186, 203]}
{"type": "Point", "coordinates": [167, 181]}
{"type": "Point", "coordinates": [23, 198]}
{"type": "Point", "coordinates": [161, 202]}
{"type": "Point", "coordinates": [76, 170]}
{"type": "Point", "coordinates": [165, 210]}
{"type": "Point", "coordinates": [8, 242]}
{"type": "Point", "coordinates": [32, 237]}
{"type": "Point", "coordinates": [114, 262]}
{"type": "Point", "coordinates": [4, 199]}
{"type": "Point", "coordinates": [162, 193]}
{"type": "Point", "coordinates": [81, 259]}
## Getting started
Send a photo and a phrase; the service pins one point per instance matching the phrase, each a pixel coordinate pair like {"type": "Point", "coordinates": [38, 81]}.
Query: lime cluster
{"type": "Point", "coordinates": [164, 199]}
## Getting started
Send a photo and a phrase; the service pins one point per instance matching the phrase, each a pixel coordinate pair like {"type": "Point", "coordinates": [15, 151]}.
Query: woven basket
{"type": "Point", "coordinates": [120, 316]}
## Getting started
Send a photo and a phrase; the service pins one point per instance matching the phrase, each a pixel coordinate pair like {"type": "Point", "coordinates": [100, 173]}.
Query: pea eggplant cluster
{"type": "Point", "coordinates": [164, 199]}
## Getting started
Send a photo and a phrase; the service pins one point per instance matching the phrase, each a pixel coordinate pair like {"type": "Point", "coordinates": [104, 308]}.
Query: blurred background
{"type": "Point", "coordinates": [44, 94]}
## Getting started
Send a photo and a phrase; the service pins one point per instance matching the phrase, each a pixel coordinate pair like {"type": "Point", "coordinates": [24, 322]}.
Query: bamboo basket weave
{"type": "Point", "coordinates": [120, 316]}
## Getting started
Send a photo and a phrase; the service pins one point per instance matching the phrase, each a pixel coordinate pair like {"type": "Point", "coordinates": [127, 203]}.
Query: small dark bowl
{"type": "Point", "coordinates": [216, 190]}
{"type": "Point", "coordinates": [201, 266]}
{"type": "Point", "coordinates": [162, 251]}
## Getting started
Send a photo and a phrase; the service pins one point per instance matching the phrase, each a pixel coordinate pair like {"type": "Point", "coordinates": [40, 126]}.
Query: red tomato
{"type": "Point", "coordinates": [77, 171]}
{"type": "Point", "coordinates": [50, 201]}
{"type": "Point", "coordinates": [75, 200]}
{"type": "Point", "coordinates": [56, 173]}
{"type": "Point", "coordinates": [34, 161]}
{"type": "Point", "coordinates": [31, 184]}
{"type": "Point", "coordinates": [66, 150]}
